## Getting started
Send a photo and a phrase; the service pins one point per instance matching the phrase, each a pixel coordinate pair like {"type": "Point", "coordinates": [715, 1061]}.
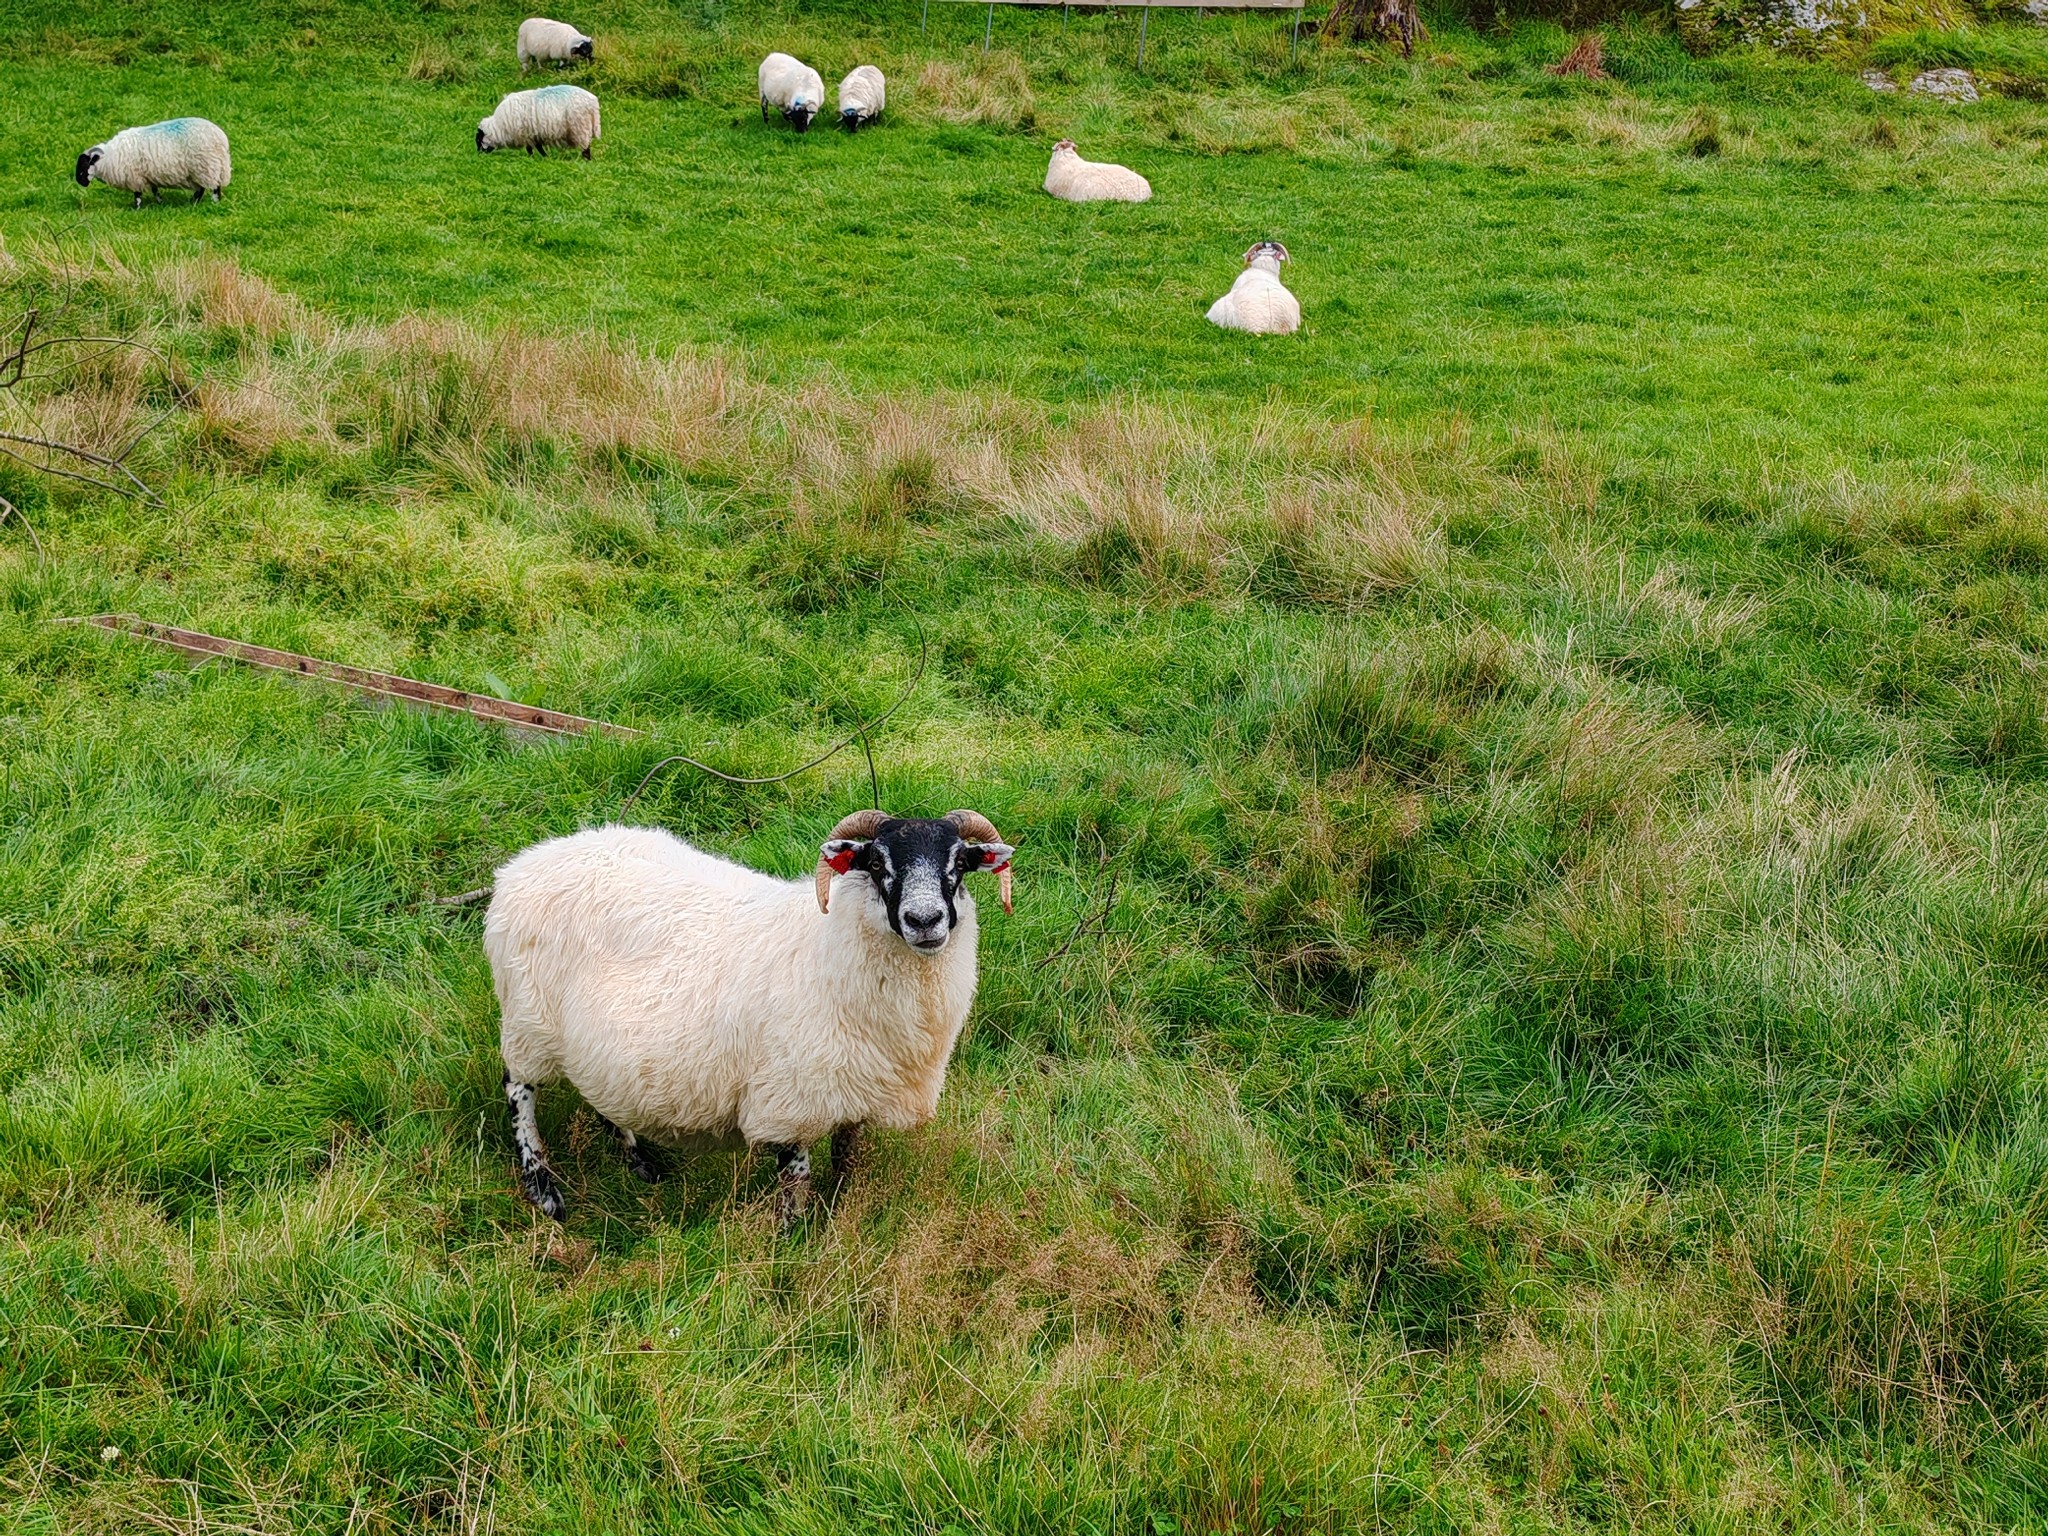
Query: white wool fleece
{"type": "Point", "coordinates": [1075, 180]}
{"type": "Point", "coordinates": [1258, 301]}
{"type": "Point", "coordinates": [542, 41]}
{"type": "Point", "coordinates": [553, 116]}
{"type": "Point", "coordinates": [862, 95]}
{"type": "Point", "coordinates": [686, 996]}
{"type": "Point", "coordinates": [188, 153]}
{"type": "Point", "coordinates": [790, 85]}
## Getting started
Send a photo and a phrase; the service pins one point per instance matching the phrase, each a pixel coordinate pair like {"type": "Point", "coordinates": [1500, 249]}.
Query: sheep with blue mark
{"type": "Point", "coordinates": [562, 116]}
{"type": "Point", "coordinates": [187, 153]}
{"type": "Point", "coordinates": [792, 88]}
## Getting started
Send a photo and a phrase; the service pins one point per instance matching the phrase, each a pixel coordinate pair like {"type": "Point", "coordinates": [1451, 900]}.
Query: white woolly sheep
{"type": "Point", "coordinates": [550, 42]}
{"type": "Point", "coordinates": [693, 1001]}
{"type": "Point", "coordinates": [186, 152]}
{"type": "Point", "coordinates": [565, 116]}
{"type": "Point", "coordinates": [862, 95]}
{"type": "Point", "coordinates": [1258, 301]}
{"type": "Point", "coordinates": [792, 88]}
{"type": "Point", "coordinates": [1075, 180]}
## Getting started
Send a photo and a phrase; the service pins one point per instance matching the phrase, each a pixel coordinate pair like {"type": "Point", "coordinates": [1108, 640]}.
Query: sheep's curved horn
{"type": "Point", "coordinates": [977, 828]}
{"type": "Point", "coordinates": [860, 824]}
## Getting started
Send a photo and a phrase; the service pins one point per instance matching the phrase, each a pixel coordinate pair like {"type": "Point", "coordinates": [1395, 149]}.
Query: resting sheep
{"type": "Point", "coordinates": [862, 95]}
{"type": "Point", "coordinates": [1258, 301]}
{"type": "Point", "coordinates": [186, 152]}
{"type": "Point", "coordinates": [1075, 180]}
{"type": "Point", "coordinates": [792, 88]}
{"type": "Point", "coordinates": [550, 42]}
{"type": "Point", "coordinates": [692, 1000]}
{"type": "Point", "coordinates": [563, 115]}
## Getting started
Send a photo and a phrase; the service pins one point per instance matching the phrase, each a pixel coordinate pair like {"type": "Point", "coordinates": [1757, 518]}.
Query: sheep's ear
{"type": "Point", "coordinates": [995, 857]}
{"type": "Point", "coordinates": [840, 852]}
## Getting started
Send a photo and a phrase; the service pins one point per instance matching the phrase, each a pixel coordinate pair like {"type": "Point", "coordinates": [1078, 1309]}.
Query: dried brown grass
{"type": "Point", "coordinates": [1134, 492]}
{"type": "Point", "coordinates": [994, 91]}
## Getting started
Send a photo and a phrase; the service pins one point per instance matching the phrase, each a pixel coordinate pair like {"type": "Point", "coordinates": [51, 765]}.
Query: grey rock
{"type": "Point", "coordinates": [1945, 84]}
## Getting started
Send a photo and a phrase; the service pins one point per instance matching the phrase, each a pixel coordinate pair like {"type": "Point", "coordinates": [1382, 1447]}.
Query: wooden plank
{"type": "Point", "coordinates": [407, 690]}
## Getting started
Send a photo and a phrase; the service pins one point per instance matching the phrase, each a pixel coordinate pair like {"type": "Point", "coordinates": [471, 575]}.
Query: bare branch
{"type": "Point", "coordinates": [9, 509]}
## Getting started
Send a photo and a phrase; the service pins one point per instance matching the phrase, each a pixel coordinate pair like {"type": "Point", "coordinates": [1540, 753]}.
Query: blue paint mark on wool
{"type": "Point", "coordinates": [557, 91]}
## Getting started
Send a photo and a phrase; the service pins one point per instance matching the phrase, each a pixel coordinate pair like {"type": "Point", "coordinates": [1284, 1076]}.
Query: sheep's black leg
{"type": "Point", "coordinates": [199, 194]}
{"type": "Point", "coordinates": [536, 1178]}
{"type": "Point", "coordinates": [846, 1155]}
{"type": "Point", "coordinates": [586, 151]}
{"type": "Point", "coordinates": [793, 1165]}
{"type": "Point", "coordinates": [641, 1159]}
{"type": "Point", "coordinates": [541, 150]}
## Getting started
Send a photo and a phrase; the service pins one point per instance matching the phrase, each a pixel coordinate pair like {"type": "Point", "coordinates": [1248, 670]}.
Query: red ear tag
{"type": "Point", "coordinates": [841, 861]}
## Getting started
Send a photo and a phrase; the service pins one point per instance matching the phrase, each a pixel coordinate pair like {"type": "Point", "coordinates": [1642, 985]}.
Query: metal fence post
{"type": "Point", "coordinates": [925, 26]}
{"type": "Point", "coordinates": [990, 30]}
{"type": "Point", "coordinates": [1066, 15]}
{"type": "Point", "coordinates": [1294, 37]}
{"type": "Point", "coordinates": [1144, 20]}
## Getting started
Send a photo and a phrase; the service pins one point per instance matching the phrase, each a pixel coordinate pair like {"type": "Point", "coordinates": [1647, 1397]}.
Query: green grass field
{"type": "Point", "coordinates": [1525, 1006]}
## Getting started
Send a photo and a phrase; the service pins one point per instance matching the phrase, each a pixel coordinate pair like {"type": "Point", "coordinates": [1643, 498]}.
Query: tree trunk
{"type": "Point", "coordinates": [1358, 21]}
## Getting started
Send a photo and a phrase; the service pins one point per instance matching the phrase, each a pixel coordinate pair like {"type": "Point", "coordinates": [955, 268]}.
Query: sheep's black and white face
{"type": "Point", "coordinates": [86, 162]}
{"type": "Point", "coordinates": [915, 868]}
{"type": "Point", "coordinates": [799, 118]}
{"type": "Point", "coordinates": [483, 142]}
{"type": "Point", "coordinates": [582, 49]}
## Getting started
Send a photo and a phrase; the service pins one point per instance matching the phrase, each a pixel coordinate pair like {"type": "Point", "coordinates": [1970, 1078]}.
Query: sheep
{"type": "Point", "coordinates": [550, 42]}
{"type": "Point", "coordinates": [1075, 180]}
{"type": "Point", "coordinates": [793, 88]}
{"type": "Point", "coordinates": [1258, 301]}
{"type": "Point", "coordinates": [562, 115]}
{"type": "Point", "coordinates": [862, 95]}
{"type": "Point", "coordinates": [695, 1001]}
{"type": "Point", "coordinates": [184, 152]}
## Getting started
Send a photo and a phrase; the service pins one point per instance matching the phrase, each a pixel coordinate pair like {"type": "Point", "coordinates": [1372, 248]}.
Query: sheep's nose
{"type": "Point", "coordinates": [924, 924]}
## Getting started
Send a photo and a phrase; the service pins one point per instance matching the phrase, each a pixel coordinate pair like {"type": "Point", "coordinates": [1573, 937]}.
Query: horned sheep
{"type": "Point", "coordinates": [550, 42]}
{"type": "Point", "coordinates": [1074, 180]}
{"type": "Point", "coordinates": [565, 116]}
{"type": "Point", "coordinates": [693, 1001]}
{"type": "Point", "coordinates": [1258, 300]}
{"type": "Point", "coordinates": [187, 152]}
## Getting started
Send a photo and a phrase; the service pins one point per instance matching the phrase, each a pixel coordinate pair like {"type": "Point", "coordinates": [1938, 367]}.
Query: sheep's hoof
{"type": "Point", "coordinates": [646, 1167]}
{"type": "Point", "coordinates": [538, 1185]}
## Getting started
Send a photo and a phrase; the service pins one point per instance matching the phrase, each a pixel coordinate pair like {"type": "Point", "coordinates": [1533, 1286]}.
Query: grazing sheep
{"type": "Point", "coordinates": [862, 95]}
{"type": "Point", "coordinates": [550, 42]}
{"type": "Point", "coordinates": [1075, 180]}
{"type": "Point", "coordinates": [1258, 301]}
{"type": "Point", "coordinates": [691, 1000]}
{"type": "Point", "coordinates": [186, 152]}
{"type": "Point", "coordinates": [563, 115]}
{"type": "Point", "coordinates": [792, 88]}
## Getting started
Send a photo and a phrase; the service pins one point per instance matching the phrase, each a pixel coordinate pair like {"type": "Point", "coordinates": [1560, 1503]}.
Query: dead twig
{"type": "Point", "coordinates": [861, 733]}
{"type": "Point", "coordinates": [1094, 916]}
{"type": "Point", "coordinates": [9, 509]}
{"type": "Point", "coordinates": [460, 899]}
{"type": "Point", "coordinates": [407, 690]}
